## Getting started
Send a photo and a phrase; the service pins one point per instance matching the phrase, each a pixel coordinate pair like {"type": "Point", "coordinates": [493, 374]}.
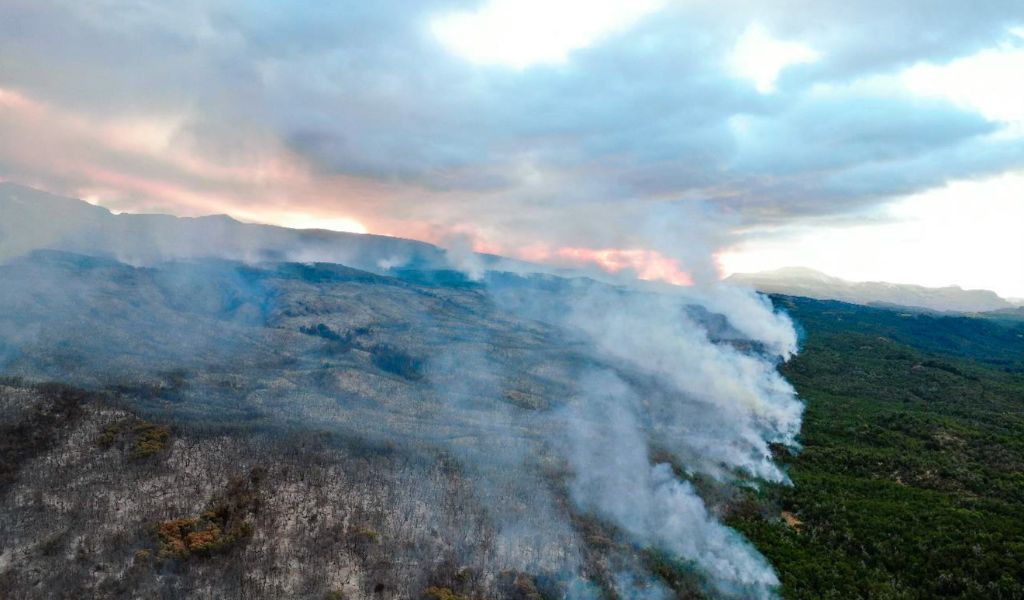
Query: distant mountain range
{"type": "Point", "coordinates": [32, 219]}
{"type": "Point", "coordinates": [800, 281]}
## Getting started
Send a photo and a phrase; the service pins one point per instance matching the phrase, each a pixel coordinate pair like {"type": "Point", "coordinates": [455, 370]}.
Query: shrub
{"type": "Point", "coordinates": [440, 593]}
{"type": "Point", "coordinates": [323, 331]}
{"type": "Point", "coordinates": [217, 528]}
{"type": "Point", "coordinates": [181, 538]}
{"type": "Point", "coordinates": [149, 439]}
{"type": "Point", "coordinates": [391, 359]}
{"type": "Point", "coordinates": [366, 535]}
{"type": "Point", "coordinates": [108, 437]}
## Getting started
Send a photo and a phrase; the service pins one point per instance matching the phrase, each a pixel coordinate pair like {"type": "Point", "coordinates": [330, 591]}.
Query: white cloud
{"type": "Point", "coordinates": [382, 113]}
{"type": "Point", "coordinates": [520, 33]}
{"type": "Point", "coordinates": [990, 82]}
{"type": "Point", "coordinates": [760, 57]}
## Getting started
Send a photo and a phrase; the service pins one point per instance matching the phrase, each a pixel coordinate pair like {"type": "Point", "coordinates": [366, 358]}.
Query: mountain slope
{"type": "Point", "coordinates": [985, 339]}
{"type": "Point", "coordinates": [908, 486]}
{"type": "Point", "coordinates": [353, 422]}
{"type": "Point", "coordinates": [478, 394]}
{"type": "Point", "coordinates": [104, 504]}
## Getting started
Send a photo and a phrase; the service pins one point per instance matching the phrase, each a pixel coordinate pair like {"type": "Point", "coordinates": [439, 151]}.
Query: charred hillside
{"type": "Point", "coordinates": [227, 429]}
{"type": "Point", "coordinates": [99, 502]}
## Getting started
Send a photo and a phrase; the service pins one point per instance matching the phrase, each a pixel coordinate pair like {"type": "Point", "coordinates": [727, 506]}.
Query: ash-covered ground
{"type": "Point", "coordinates": [300, 430]}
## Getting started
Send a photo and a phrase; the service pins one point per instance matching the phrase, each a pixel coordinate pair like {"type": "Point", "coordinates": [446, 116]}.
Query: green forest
{"type": "Point", "coordinates": [910, 482]}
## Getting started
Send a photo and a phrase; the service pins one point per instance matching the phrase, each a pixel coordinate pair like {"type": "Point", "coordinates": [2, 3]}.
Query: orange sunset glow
{"type": "Point", "coordinates": [648, 264]}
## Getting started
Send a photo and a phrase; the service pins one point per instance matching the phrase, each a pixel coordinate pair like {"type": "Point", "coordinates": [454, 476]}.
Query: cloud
{"type": "Point", "coordinates": [760, 57]}
{"type": "Point", "coordinates": [522, 33]}
{"type": "Point", "coordinates": [360, 112]}
{"type": "Point", "coordinates": [977, 82]}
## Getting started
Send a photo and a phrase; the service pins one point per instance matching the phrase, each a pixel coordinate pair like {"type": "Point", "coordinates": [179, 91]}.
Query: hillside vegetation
{"type": "Point", "coordinates": [911, 480]}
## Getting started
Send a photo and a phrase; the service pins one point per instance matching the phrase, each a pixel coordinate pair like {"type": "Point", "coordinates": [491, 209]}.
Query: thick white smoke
{"type": "Point", "coordinates": [729, 400]}
{"type": "Point", "coordinates": [460, 255]}
{"type": "Point", "coordinates": [684, 381]}
{"type": "Point", "coordinates": [608, 449]}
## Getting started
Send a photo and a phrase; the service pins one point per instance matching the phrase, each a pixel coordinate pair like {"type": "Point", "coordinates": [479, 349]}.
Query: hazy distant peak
{"type": "Point", "coordinates": [802, 281]}
{"type": "Point", "coordinates": [798, 273]}
{"type": "Point", "coordinates": [15, 194]}
{"type": "Point", "coordinates": [219, 217]}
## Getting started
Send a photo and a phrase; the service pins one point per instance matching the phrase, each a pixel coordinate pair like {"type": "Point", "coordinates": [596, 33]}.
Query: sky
{"type": "Point", "coordinates": [680, 140]}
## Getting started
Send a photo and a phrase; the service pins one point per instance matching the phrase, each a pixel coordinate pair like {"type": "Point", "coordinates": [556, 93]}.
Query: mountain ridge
{"type": "Point", "coordinates": [810, 283]}
{"type": "Point", "coordinates": [34, 219]}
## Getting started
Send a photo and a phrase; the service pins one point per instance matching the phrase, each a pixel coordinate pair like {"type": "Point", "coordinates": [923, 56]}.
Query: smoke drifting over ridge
{"type": "Point", "coordinates": [536, 385]}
